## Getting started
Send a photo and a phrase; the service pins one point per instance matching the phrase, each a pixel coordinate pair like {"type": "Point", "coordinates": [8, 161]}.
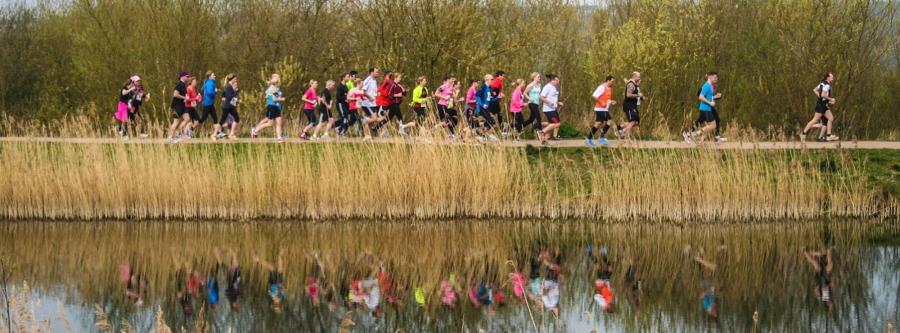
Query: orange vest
{"type": "Point", "coordinates": [604, 98]}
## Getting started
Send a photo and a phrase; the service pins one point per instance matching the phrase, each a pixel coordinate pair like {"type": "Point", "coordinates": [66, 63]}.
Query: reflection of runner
{"type": "Point", "coordinates": [822, 265]}
{"type": "Point", "coordinates": [708, 296]}
{"type": "Point", "coordinates": [633, 280]}
{"type": "Point", "coordinates": [276, 289]}
{"type": "Point", "coordinates": [233, 290]}
{"type": "Point", "coordinates": [550, 287]}
{"type": "Point", "coordinates": [603, 292]}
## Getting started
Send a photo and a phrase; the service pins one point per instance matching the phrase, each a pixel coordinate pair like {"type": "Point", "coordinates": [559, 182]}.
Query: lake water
{"type": "Point", "coordinates": [574, 276]}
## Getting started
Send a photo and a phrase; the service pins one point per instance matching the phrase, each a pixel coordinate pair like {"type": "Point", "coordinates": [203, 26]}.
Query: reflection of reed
{"type": "Point", "coordinates": [95, 181]}
{"type": "Point", "coordinates": [759, 266]}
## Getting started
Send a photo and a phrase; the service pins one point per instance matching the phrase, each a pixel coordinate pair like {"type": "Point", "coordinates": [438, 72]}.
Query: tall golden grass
{"type": "Point", "coordinates": [760, 266]}
{"type": "Point", "coordinates": [247, 181]}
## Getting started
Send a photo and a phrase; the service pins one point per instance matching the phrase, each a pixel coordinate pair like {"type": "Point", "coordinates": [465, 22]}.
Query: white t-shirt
{"type": "Point", "coordinates": [824, 89]}
{"type": "Point", "coordinates": [370, 88]}
{"type": "Point", "coordinates": [551, 95]}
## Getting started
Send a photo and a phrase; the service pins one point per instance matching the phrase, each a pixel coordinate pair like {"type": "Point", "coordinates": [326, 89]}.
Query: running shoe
{"type": "Point", "coordinates": [125, 137]}
{"type": "Point", "coordinates": [315, 137]}
{"type": "Point", "coordinates": [620, 133]}
{"type": "Point", "coordinates": [190, 132]}
{"type": "Point", "coordinates": [590, 143]}
{"type": "Point", "coordinates": [720, 139]}
{"type": "Point", "coordinates": [144, 136]}
{"type": "Point", "coordinates": [493, 138]}
{"type": "Point", "coordinates": [325, 136]}
{"type": "Point", "coordinates": [453, 137]}
{"type": "Point", "coordinates": [687, 137]}
{"type": "Point", "coordinates": [402, 130]}
{"type": "Point", "coordinates": [821, 139]}
{"type": "Point", "coordinates": [253, 133]}
{"type": "Point", "coordinates": [303, 136]}
{"type": "Point", "coordinates": [367, 138]}
{"type": "Point", "coordinates": [556, 138]}
{"type": "Point", "coordinates": [214, 137]}
{"type": "Point", "coordinates": [603, 141]}
{"type": "Point", "coordinates": [221, 135]}
{"type": "Point", "coordinates": [232, 137]}
{"type": "Point", "coordinates": [831, 137]}
{"type": "Point", "coordinates": [802, 137]}
{"type": "Point", "coordinates": [280, 139]}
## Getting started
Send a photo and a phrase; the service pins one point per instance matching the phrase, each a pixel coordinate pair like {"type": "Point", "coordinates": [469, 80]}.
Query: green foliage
{"type": "Point", "coordinates": [70, 58]}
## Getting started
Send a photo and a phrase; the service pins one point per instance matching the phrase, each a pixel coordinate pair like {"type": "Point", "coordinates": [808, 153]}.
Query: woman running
{"type": "Point", "coordinates": [310, 99]}
{"type": "Point", "coordinates": [516, 104]}
{"type": "Point", "coordinates": [472, 106]}
{"type": "Point", "coordinates": [396, 93]}
{"type": "Point", "coordinates": [823, 109]}
{"type": "Point", "coordinates": [190, 105]}
{"type": "Point", "coordinates": [126, 94]}
{"type": "Point", "coordinates": [356, 96]}
{"type": "Point", "coordinates": [325, 106]}
{"type": "Point", "coordinates": [452, 117]}
{"type": "Point", "coordinates": [533, 90]}
{"type": "Point", "coordinates": [274, 103]}
{"type": "Point", "coordinates": [210, 90]}
{"type": "Point", "coordinates": [550, 99]}
{"type": "Point", "coordinates": [603, 96]}
{"type": "Point", "coordinates": [180, 118]}
{"type": "Point", "coordinates": [230, 99]}
{"type": "Point", "coordinates": [140, 96]}
{"type": "Point", "coordinates": [420, 98]}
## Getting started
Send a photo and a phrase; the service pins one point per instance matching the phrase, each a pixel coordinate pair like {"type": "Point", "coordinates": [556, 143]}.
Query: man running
{"type": "Point", "coordinates": [180, 118]}
{"type": "Point", "coordinates": [706, 122]}
{"type": "Point", "coordinates": [551, 104]}
{"type": "Point", "coordinates": [494, 102]}
{"type": "Point", "coordinates": [483, 97]}
{"type": "Point", "coordinates": [326, 104]}
{"type": "Point", "coordinates": [633, 97]}
{"type": "Point", "coordinates": [823, 109]}
{"type": "Point", "coordinates": [345, 118]}
{"type": "Point", "coordinates": [603, 96]}
{"type": "Point", "coordinates": [367, 102]}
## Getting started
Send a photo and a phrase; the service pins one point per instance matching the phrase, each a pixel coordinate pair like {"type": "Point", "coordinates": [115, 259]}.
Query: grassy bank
{"type": "Point", "coordinates": [122, 181]}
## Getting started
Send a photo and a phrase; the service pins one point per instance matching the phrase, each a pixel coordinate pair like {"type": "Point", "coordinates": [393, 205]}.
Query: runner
{"type": "Point", "coordinates": [210, 91]}
{"type": "Point", "coordinates": [823, 109]}
{"type": "Point", "coordinates": [603, 96]}
{"type": "Point", "coordinates": [633, 97]}
{"type": "Point", "coordinates": [420, 98]}
{"type": "Point", "coordinates": [445, 97]}
{"type": "Point", "coordinates": [230, 99]}
{"type": "Point", "coordinates": [533, 90]}
{"type": "Point", "coordinates": [274, 103]}
{"type": "Point", "coordinates": [551, 104]}
{"type": "Point", "coordinates": [706, 122]}
{"type": "Point", "coordinates": [276, 290]}
{"type": "Point", "coordinates": [494, 101]}
{"type": "Point", "coordinates": [138, 97]}
{"type": "Point", "coordinates": [822, 266]}
{"type": "Point", "coordinates": [383, 101]}
{"type": "Point", "coordinates": [484, 97]}
{"type": "Point", "coordinates": [180, 118]}
{"type": "Point", "coordinates": [452, 120]}
{"type": "Point", "coordinates": [126, 94]}
{"type": "Point", "coordinates": [355, 96]}
{"type": "Point", "coordinates": [472, 106]}
{"type": "Point", "coordinates": [345, 118]}
{"type": "Point", "coordinates": [396, 92]}
{"type": "Point", "coordinates": [516, 104]}
{"type": "Point", "coordinates": [310, 99]}
{"type": "Point", "coordinates": [325, 106]}
{"type": "Point", "coordinates": [371, 115]}
{"type": "Point", "coordinates": [190, 105]}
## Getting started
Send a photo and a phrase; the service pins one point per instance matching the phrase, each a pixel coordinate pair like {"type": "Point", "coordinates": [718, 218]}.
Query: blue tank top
{"type": "Point", "coordinates": [534, 94]}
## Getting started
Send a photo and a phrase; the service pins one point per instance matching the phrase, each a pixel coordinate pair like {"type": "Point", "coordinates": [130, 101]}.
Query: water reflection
{"type": "Point", "coordinates": [462, 275]}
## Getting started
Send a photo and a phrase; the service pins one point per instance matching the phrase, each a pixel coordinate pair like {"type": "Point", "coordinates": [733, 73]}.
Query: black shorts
{"type": "Point", "coordinates": [601, 116]}
{"type": "Point", "coordinates": [394, 112]}
{"type": "Point", "coordinates": [209, 111]}
{"type": "Point", "coordinates": [706, 117]}
{"type": "Point", "coordinates": [311, 117]}
{"type": "Point", "coordinates": [632, 115]}
{"type": "Point", "coordinates": [552, 117]}
{"type": "Point", "coordinates": [232, 112]}
{"type": "Point", "coordinates": [368, 111]}
{"type": "Point", "coordinates": [177, 111]}
{"type": "Point", "coordinates": [822, 107]}
{"type": "Point", "coordinates": [420, 112]}
{"type": "Point", "coordinates": [193, 113]}
{"type": "Point", "coordinates": [324, 114]}
{"type": "Point", "coordinates": [494, 107]}
{"type": "Point", "coordinates": [442, 111]}
{"type": "Point", "coordinates": [273, 112]}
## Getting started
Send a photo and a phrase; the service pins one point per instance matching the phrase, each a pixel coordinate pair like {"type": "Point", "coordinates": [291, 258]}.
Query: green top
{"type": "Point", "coordinates": [419, 95]}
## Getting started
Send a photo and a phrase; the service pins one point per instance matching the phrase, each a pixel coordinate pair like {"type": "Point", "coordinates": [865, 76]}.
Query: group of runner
{"type": "Point", "coordinates": [373, 105]}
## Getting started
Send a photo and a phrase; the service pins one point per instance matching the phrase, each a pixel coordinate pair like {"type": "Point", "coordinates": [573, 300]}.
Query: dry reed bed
{"type": "Point", "coordinates": [124, 181]}
{"type": "Point", "coordinates": [756, 261]}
